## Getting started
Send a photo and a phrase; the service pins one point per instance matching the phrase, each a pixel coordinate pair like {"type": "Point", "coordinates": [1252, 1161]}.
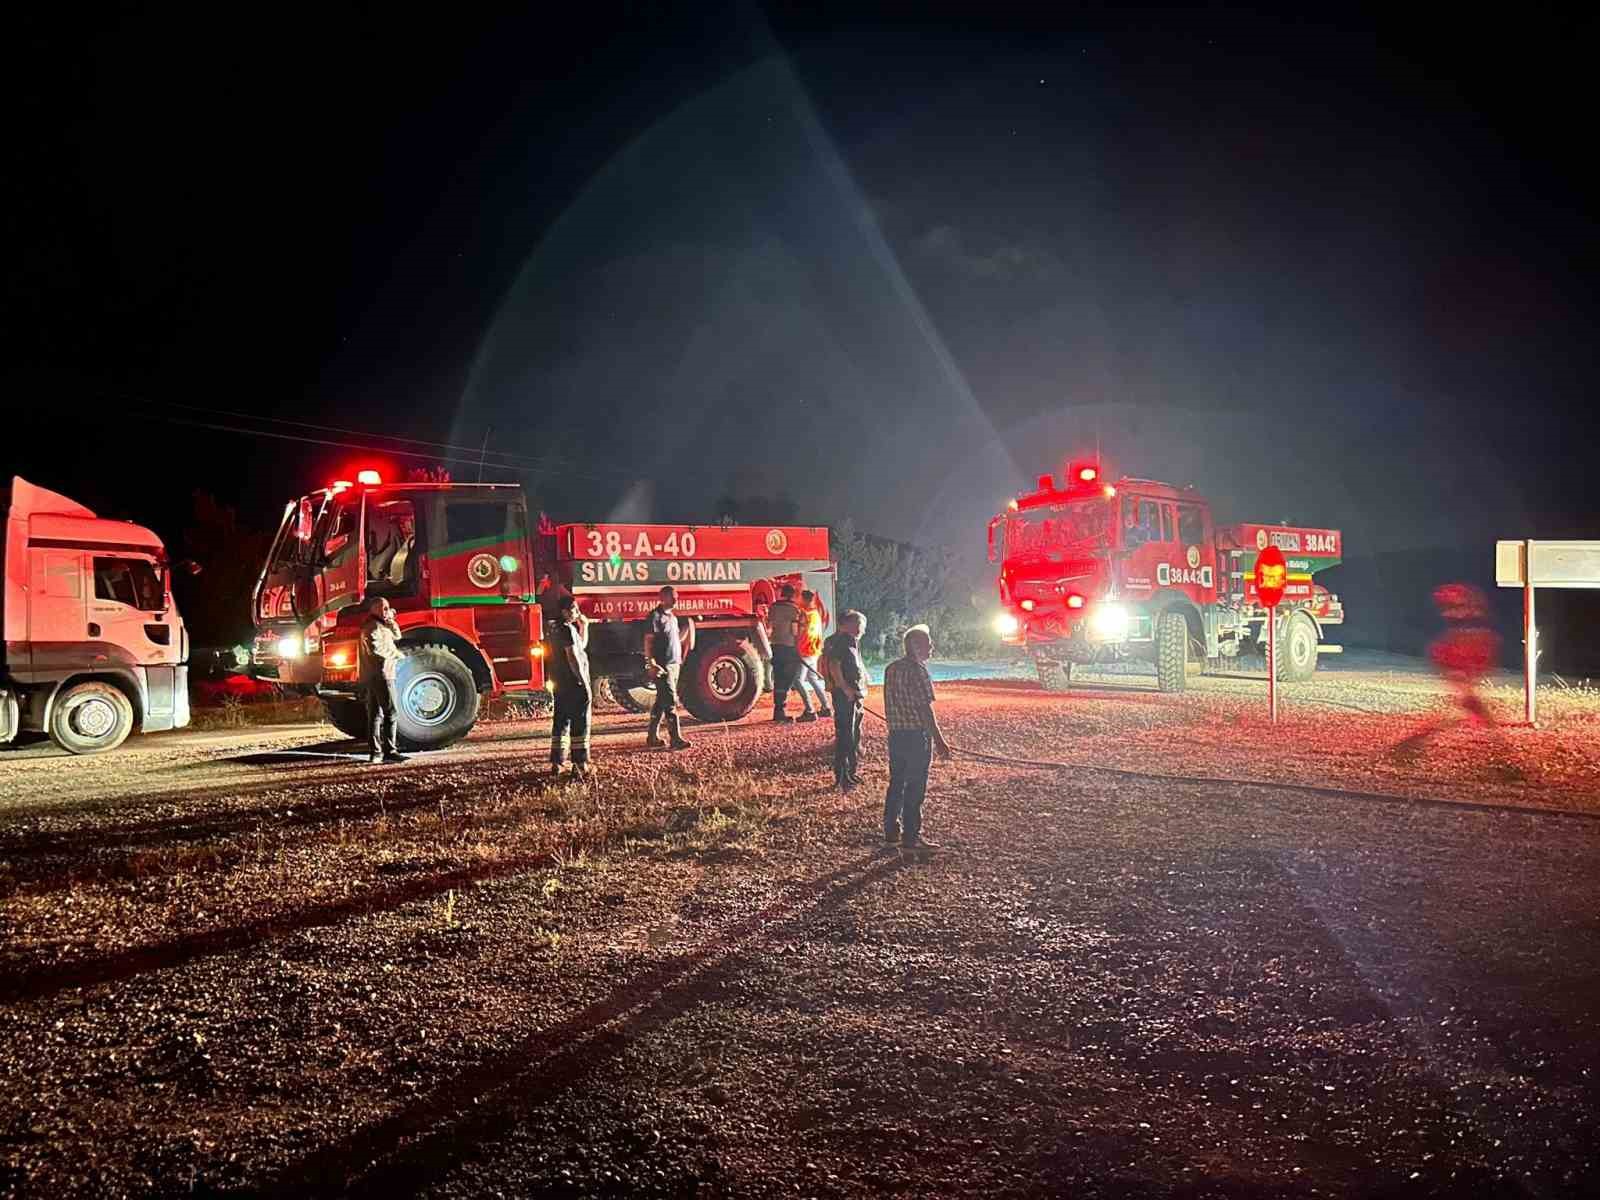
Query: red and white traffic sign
{"type": "Point", "coordinates": [1272, 576]}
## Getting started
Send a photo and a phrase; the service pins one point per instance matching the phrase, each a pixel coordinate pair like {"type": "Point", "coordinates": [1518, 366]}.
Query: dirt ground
{"type": "Point", "coordinates": [1213, 958]}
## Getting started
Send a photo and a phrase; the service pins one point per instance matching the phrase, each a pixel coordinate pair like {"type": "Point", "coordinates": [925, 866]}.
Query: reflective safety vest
{"type": "Point", "coordinates": [809, 641]}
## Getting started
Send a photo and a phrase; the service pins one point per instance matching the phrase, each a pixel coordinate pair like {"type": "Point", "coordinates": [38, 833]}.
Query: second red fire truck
{"type": "Point", "coordinates": [472, 576]}
{"type": "Point", "coordinates": [1092, 571]}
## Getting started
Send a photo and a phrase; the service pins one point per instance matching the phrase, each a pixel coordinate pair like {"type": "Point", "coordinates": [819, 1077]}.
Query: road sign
{"type": "Point", "coordinates": [1531, 564]}
{"type": "Point", "coordinates": [1272, 576]}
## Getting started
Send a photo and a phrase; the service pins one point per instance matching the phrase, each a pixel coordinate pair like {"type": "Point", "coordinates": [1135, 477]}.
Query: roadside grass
{"type": "Point", "coordinates": [523, 822]}
{"type": "Point", "coordinates": [237, 714]}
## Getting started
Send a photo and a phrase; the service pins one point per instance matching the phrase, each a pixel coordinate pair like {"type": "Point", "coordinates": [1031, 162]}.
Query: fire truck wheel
{"type": "Point", "coordinates": [349, 717]}
{"type": "Point", "coordinates": [1297, 649]}
{"type": "Point", "coordinates": [1053, 676]}
{"type": "Point", "coordinates": [1172, 651]}
{"type": "Point", "coordinates": [89, 718]}
{"type": "Point", "coordinates": [437, 698]}
{"type": "Point", "coordinates": [722, 680]}
{"type": "Point", "coordinates": [630, 695]}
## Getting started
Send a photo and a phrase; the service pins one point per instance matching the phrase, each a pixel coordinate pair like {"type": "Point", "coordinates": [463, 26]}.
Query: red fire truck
{"type": "Point", "coordinates": [1096, 572]}
{"type": "Point", "coordinates": [472, 578]}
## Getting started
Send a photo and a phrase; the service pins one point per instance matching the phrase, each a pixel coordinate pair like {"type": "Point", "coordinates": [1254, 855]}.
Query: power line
{"type": "Point", "coordinates": [430, 456]}
{"type": "Point", "coordinates": [482, 451]}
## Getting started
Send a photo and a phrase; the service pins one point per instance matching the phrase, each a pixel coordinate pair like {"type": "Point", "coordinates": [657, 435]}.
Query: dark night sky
{"type": "Point", "coordinates": [890, 266]}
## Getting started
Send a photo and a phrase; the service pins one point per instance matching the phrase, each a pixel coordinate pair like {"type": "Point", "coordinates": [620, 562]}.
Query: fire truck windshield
{"type": "Point", "coordinates": [1059, 527]}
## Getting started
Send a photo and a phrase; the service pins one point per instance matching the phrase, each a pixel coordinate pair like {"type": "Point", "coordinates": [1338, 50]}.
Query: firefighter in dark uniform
{"type": "Point", "coordinates": [380, 656]}
{"type": "Point", "coordinates": [569, 676]}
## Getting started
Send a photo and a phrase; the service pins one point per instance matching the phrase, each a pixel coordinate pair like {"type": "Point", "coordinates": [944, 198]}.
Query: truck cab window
{"type": "Point", "coordinates": [391, 547]}
{"type": "Point", "coordinates": [130, 581]}
{"type": "Point", "coordinates": [1191, 528]}
{"type": "Point", "coordinates": [336, 533]}
{"type": "Point", "coordinates": [1167, 523]}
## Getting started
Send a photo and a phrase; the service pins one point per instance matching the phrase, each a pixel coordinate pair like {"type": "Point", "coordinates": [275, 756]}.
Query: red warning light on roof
{"type": "Point", "coordinates": [1088, 474]}
{"type": "Point", "coordinates": [339, 485]}
{"type": "Point", "coordinates": [369, 478]}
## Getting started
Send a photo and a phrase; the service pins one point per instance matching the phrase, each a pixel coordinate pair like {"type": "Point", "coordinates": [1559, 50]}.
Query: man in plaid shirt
{"type": "Point", "coordinates": [913, 737]}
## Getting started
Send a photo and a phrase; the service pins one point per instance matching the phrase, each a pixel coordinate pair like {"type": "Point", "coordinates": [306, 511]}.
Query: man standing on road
{"type": "Point", "coordinates": [380, 656]}
{"type": "Point", "coordinates": [663, 653]}
{"type": "Point", "coordinates": [847, 678]}
{"type": "Point", "coordinates": [784, 619]}
{"type": "Point", "coordinates": [914, 735]}
{"type": "Point", "coordinates": [569, 673]}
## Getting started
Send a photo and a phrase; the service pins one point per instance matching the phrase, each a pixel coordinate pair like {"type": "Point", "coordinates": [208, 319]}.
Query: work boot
{"type": "Point", "coordinates": [653, 738]}
{"type": "Point", "coordinates": [806, 716]}
{"type": "Point", "coordinates": [675, 731]}
{"type": "Point", "coordinates": [394, 756]}
{"type": "Point", "coordinates": [825, 711]}
{"type": "Point", "coordinates": [781, 718]}
{"type": "Point", "coordinates": [679, 743]}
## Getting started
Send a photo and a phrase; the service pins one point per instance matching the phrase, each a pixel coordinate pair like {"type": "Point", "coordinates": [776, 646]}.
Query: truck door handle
{"type": "Point", "coordinates": [94, 629]}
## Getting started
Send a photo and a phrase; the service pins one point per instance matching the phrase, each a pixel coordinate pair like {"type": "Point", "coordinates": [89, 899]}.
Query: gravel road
{"type": "Point", "coordinates": [241, 963]}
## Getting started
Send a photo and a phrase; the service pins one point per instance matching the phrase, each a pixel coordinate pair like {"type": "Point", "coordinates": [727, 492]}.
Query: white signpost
{"type": "Point", "coordinates": [1530, 564]}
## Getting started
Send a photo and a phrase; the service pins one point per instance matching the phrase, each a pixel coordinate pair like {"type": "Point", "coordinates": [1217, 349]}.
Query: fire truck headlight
{"type": "Point", "coordinates": [339, 658]}
{"type": "Point", "coordinates": [1109, 622]}
{"type": "Point", "coordinates": [1007, 625]}
{"type": "Point", "coordinates": [1027, 606]}
{"type": "Point", "coordinates": [289, 647]}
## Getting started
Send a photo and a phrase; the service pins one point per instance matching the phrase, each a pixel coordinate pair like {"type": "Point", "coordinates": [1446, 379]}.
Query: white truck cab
{"type": "Point", "coordinates": [94, 647]}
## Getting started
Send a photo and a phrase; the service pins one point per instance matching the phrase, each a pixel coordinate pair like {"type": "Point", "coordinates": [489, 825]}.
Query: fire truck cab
{"type": "Point", "coordinates": [1094, 572]}
{"type": "Point", "coordinates": [455, 561]}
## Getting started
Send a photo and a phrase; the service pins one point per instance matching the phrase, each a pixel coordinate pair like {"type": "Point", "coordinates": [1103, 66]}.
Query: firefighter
{"type": "Point", "coordinates": [569, 673]}
{"type": "Point", "coordinates": [380, 656]}
{"type": "Point", "coordinates": [663, 655]}
{"type": "Point", "coordinates": [808, 644]}
{"type": "Point", "coordinates": [783, 621]}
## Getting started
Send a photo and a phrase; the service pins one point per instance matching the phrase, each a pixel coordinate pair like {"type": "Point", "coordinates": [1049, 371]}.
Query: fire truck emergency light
{"type": "Point", "coordinates": [369, 478]}
{"type": "Point", "coordinates": [1074, 601]}
{"type": "Point", "coordinates": [339, 485]}
{"type": "Point", "coordinates": [1088, 474]}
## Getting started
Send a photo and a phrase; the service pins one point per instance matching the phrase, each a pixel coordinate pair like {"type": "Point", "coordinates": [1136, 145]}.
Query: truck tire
{"type": "Point", "coordinates": [721, 680]}
{"type": "Point", "coordinates": [349, 717]}
{"type": "Point", "coordinates": [436, 698]}
{"type": "Point", "coordinates": [1297, 648]}
{"type": "Point", "coordinates": [1172, 651]}
{"type": "Point", "coordinates": [1053, 676]}
{"type": "Point", "coordinates": [91, 718]}
{"type": "Point", "coordinates": [630, 695]}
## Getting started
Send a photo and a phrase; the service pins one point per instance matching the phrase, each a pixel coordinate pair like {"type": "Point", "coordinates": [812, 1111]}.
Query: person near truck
{"type": "Point", "coordinates": [808, 643]}
{"type": "Point", "coordinates": [380, 657]}
{"type": "Point", "coordinates": [783, 623]}
{"type": "Point", "coordinates": [574, 695]}
{"type": "Point", "coordinates": [847, 678]}
{"type": "Point", "coordinates": [663, 654]}
{"type": "Point", "coordinates": [914, 735]}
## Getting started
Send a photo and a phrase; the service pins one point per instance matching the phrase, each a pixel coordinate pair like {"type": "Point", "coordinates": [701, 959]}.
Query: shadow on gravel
{"type": "Point", "coordinates": [24, 983]}
{"type": "Point", "coordinates": [422, 1142]}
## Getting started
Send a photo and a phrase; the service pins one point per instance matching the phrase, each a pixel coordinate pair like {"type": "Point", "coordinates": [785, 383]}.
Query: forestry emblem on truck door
{"type": "Point", "coordinates": [1194, 556]}
{"type": "Point", "coordinates": [777, 541]}
{"type": "Point", "coordinates": [483, 570]}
